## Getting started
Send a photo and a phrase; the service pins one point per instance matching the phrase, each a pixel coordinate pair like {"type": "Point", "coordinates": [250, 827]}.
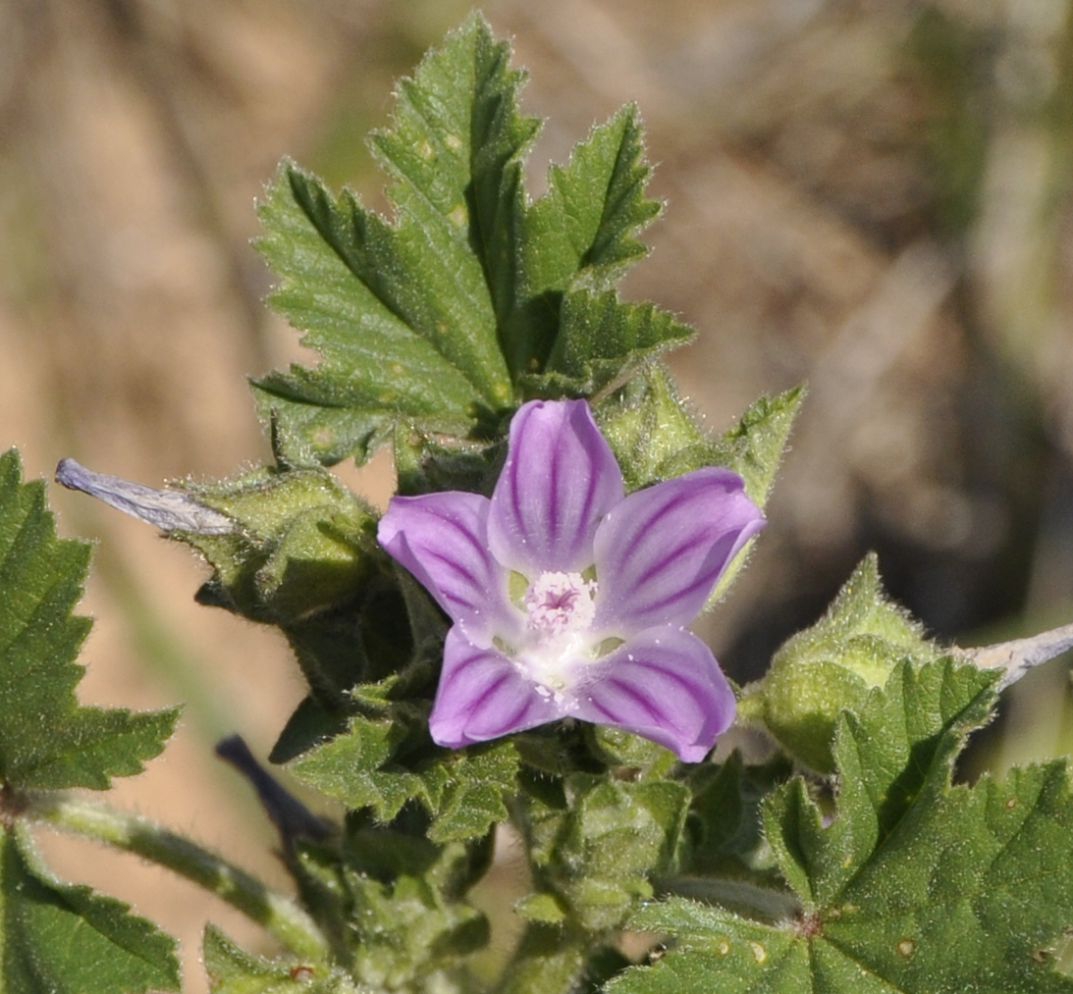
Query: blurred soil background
{"type": "Point", "coordinates": [873, 197]}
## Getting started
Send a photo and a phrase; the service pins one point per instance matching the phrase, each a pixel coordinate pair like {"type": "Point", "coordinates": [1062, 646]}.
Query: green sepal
{"type": "Point", "coordinates": [423, 465]}
{"type": "Point", "coordinates": [231, 970]}
{"type": "Point", "coordinates": [47, 741]}
{"type": "Point", "coordinates": [832, 666]}
{"type": "Point", "coordinates": [66, 939]}
{"type": "Point", "coordinates": [597, 845]}
{"type": "Point", "coordinates": [303, 556]}
{"type": "Point", "coordinates": [302, 544]}
{"type": "Point", "coordinates": [656, 437]}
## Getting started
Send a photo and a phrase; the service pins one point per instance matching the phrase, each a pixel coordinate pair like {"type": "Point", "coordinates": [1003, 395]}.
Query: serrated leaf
{"type": "Point", "coordinates": [455, 150]}
{"type": "Point", "coordinates": [464, 791]}
{"type": "Point", "coordinates": [832, 665]}
{"type": "Point", "coordinates": [914, 885]}
{"type": "Point", "coordinates": [355, 767]}
{"type": "Point", "coordinates": [583, 229]}
{"type": "Point", "coordinates": [725, 830]}
{"type": "Point", "coordinates": [65, 939]}
{"type": "Point", "coordinates": [46, 740]}
{"type": "Point", "coordinates": [595, 206]}
{"type": "Point", "coordinates": [233, 971]}
{"type": "Point", "coordinates": [896, 753]}
{"type": "Point", "coordinates": [429, 320]}
{"type": "Point", "coordinates": [405, 314]}
{"type": "Point", "coordinates": [603, 340]}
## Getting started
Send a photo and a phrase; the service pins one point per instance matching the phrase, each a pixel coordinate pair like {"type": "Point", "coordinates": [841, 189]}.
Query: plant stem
{"type": "Point", "coordinates": [276, 913]}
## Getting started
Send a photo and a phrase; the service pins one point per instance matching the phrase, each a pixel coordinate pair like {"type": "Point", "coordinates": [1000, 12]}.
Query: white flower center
{"type": "Point", "coordinates": [559, 603]}
{"type": "Point", "coordinates": [559, 611]}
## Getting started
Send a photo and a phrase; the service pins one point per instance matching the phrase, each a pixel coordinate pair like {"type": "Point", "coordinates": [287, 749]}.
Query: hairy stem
{"type": "Point", "coordinates": [276, 913]}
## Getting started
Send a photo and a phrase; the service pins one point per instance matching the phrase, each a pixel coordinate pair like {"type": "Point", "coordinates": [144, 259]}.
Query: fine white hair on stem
{"type": "Point", "coordinates": [168, 510]}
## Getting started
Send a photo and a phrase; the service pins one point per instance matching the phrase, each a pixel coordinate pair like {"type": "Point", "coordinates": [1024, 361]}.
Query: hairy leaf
{"type": "Point", "coordinates": [914, 884]}
{"type": "Point", "coordinates": [67, 940]}
{"type": "Point", "coordinates": [602, 340]}
{"type": "Point", "coordinates": [433, 319]}
{"type": "Point", "coordinates": [583, 230]}
{"type": "Point", "coordinates": [46, 739]}
{"type": "Point", "coordinates": [464, 791]}
{"type": "Point", "coordinates": [233, 971]}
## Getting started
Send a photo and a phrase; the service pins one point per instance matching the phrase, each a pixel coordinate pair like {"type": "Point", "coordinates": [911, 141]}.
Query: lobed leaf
{"type": "Point", "coordinates": [464, 791]}
{"type": "Point", "coordinates": [602, 340]}
{"type": "Point", "coordinates": [47, 741]}
{"type": "Point", "coordinates": [68, 940]}
{"type": "Point", "coordinates": [914, 885]}
{"type": "Point", "coordinates": [432, 321]}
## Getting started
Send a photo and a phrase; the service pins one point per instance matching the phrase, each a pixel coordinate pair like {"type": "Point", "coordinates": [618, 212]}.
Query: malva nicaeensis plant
{"type": "Point", "coordinates": [509, 643]}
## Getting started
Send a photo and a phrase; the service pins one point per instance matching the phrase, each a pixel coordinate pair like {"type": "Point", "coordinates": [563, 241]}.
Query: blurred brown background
{"type": "Point", "coordinates": [874, 197]}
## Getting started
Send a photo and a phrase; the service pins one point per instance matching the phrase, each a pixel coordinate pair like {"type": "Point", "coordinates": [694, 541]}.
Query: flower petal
{"type": "Point", "coordinates": [661, 551]}
{"type": "Point", "coordinates": [559, 480]}
{"type": "Point", "coordinates": [482, 695]}
{"type": "Point", "coordinates": [442, 539]}
{"type": "Point", "coordinates": [663, 684]}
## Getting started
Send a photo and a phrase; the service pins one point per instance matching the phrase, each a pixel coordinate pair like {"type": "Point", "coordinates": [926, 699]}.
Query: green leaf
{"type": "Point", "coordinates": [383, 762]}
{"type": "Point", "coordinates": [914, 885]}
{"type": "Point", "coordinates": [233, 971]}
{"type": "Point", "coordinates": [897, 752]}
{"type": "Point", "coordinates": [67, 940]}
{"type": "Point", "coordinates": [595, 206]}
{"type": "Point", "coordinates": [725, 829]}
{"type": "Point", "coordinates": [603, 340]}
{"type": "Point", "coordinates": [429, 321]}
{"type": "Point", "coordinates": [455, 151]}
{"type": "Point", "coordinates": [832, 665]}
{"type": "Point", "coordinates": [394, 900]}
{"type": "Point", "coordinates": [582, 230]}
{"type": "Point", "coordinates": [46, 740]}
{"type": "Point", "coordinates": [404, 314]}
{"type": "Point", "coordinates": [405, 328]}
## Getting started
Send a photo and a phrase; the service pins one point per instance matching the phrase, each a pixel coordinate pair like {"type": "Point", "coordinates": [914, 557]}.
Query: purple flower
{"type": "Point", "coordinates": [569, 598]}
